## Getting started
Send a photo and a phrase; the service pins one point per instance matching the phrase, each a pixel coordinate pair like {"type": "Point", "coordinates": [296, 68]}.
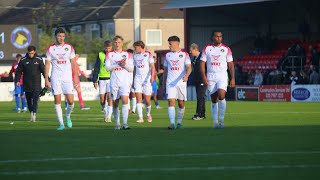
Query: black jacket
{"type": "Point", "coordinates": [196, 73]}
{"type": "Point", "coordinates": [31, 69]}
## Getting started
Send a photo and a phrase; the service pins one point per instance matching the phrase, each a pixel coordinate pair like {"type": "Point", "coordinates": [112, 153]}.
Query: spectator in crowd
{"type": "Point", "coordinates": [18, 90]}
{"type": "Point", "coordinates": [294, 79]}
{"type": "Point", "coordinates": [201, 88]}
{"type": "Point", "coordinates": [258, 78]}
{"type": "Point", "coordinates": [304, 79]}
{"type": "Point", "coordinates": [315, 57]}
{"type": "Point", "coordinates": [314, 76]}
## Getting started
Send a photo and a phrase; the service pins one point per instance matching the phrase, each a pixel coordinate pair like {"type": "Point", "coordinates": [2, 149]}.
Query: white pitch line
{"type": "Point", "coordinates": [159, 156]}
{"type": "Point", "coordinates": [239, 113]}
{"type": "Point", "coordinates": [210, 168]}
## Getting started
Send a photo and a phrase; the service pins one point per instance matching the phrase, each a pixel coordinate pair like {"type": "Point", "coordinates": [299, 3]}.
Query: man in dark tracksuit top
{"type": "Point", "coordinates": [200, 86]}
{"type": "Point", "coordinates": [31, 66]}
{"type": "Point", "coordinates": [103, 76]}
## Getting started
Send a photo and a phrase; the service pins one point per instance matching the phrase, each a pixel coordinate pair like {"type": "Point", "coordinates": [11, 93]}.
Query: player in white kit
{"type": "Point", "coordinates": [120, 63]}
{"type": "Point", "coordinates": [177, 68]}
{"type": "Point", "coordinates": [218, 58]}
{"type": "Point", "coordinates": [144, 69]}
{"type": "Point", "coordinates": [62, 57]}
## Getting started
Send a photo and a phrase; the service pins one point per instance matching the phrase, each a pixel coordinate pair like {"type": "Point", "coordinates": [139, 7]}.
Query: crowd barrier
{"type": "Point", "coordinates": [277, 93]}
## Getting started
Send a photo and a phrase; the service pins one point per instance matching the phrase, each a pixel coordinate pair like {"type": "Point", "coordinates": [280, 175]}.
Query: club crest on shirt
{"type": "Point", "coordinates": [222, 50]}
{"type": "Point", "coordinates": [66, 49]}
{"type": "Point", "coordinates": [124, 56]}
{"type": "Point", "coordinates": [36, 63]}
{"type": "Point", "coordinates": [145, 55]}
{"type": "Point", "coordinates": [180, 56]}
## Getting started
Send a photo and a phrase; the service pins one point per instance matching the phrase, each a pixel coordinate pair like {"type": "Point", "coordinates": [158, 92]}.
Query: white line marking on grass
{"type": "Point", "coordinates": [159, 156]}
{"type": "Point", "coordinates": [274, 112]}
{"type": "Point", "coordinates": [210, 168]}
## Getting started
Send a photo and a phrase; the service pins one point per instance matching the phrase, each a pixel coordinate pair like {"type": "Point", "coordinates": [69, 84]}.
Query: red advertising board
{"type": "Point", "coordinates": [275, 93]}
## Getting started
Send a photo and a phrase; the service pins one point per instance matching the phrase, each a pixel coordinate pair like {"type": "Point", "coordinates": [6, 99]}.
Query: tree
{"type": "Point", "coordinates": [78, 41]}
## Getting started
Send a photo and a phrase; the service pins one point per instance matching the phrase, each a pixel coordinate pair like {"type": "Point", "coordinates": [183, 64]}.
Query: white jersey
{"type": "Point", "coordinates": [60, 58]}
{"type": "Point", "coordinates": [176, 63]}
{"type": "Point", "coordinates": [217, 59]}
{"type": "Point", "coordinates": [142, 63]}
{"type": "Point", "coordinates": [119, 75]}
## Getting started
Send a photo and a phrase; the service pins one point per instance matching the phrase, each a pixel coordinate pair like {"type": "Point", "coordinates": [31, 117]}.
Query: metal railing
{"type": "Point", "coordinates": [292, 62]}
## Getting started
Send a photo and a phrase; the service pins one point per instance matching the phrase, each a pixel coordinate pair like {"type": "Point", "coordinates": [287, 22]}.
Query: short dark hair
{"type": "Point", "coordinates": [18, 55]}
{"type": "Point", "coordinates": [213, 32]}
{"type": "Point", "coordinates": [139, 43]}
{"type": "Point", "coordinates": [59, 30]}
{"type": "Point", "coordinates": [107, 43]}
{"type": "Point", "coordinates": [130, 51]}
{"type": "Point", "coordinates": [31, 48]}
{"type": "Point", "coordinates": [174, 38]}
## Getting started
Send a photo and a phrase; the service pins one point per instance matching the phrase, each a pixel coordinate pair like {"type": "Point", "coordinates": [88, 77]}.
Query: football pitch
{"type": "Point", "coordinates": [262, 140]}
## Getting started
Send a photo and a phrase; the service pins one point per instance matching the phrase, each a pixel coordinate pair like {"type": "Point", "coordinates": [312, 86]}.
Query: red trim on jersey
{"type": "Point", "coordinates": [229, 50]}
{"type": "Point", "coordinates": [48, 49]}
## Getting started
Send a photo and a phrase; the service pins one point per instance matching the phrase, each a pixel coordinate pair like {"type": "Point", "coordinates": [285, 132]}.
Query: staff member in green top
{"type": "Point", "coordinates": [101, 75]}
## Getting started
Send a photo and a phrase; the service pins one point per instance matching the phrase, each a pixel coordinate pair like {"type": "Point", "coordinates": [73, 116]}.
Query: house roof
{"type": "Point", "coordinates": [150, 9]}
{"type": "Point", "coordinates": [174, 4]}
{"type": "Point", "coordinates": [75, 11]}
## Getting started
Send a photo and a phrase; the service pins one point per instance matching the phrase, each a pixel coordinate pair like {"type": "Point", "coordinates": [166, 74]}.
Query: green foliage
{"type": "Point", "coordinates": [78, 41]}
{"type": "Point", "coordinates": [44, 42]}
{"type": "Point", "coordinates": [46, 17]}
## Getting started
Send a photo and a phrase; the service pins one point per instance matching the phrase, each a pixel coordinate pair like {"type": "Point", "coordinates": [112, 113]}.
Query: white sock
{"type": "Point", "coordinates": [69, 110]}
{"type": "Point", "coordinates": [222, 109]}
{"type": "Point", "coordinates": [125, 109]}
{"type": "Point", "coordinates": [129, 107]}
{"type": "Point", "coordinates": [180, 115]}
{"type": "Point", "coordinates": [58, 109]}
{"type": "Point", "coordinates": [139, 110]}
{"type": "Point", "coordinates": [172, 114]}
{"type": "Point", "coordinates": [116, 114]}
{"type": "Point", "coordinates": [148, 109]}
{"type": "Point", "coordinates": [134, 104]}
{"type": "Point", "coordinates": [109, 111]}
{"type": "Point", "coordinates": [214, 112]}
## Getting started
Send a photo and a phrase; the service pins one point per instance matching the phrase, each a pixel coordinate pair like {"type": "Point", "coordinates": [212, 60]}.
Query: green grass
{"type": "Point", "coordinates": [261, 141]}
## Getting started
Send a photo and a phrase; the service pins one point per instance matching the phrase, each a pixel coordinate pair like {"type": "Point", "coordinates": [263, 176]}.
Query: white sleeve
{"type": "Point", "coordinates": [229, 55]}
{"type": "Point", "coordinates": [204, 55]}
{"type": "Point", "coordinates": [187, 61]}
{"type": "Point", "coordinates": [129, 63]}
{"type": "Point", "coordinates": [48, 54]}
{"type": "Point", "coordinates": [72, 53]}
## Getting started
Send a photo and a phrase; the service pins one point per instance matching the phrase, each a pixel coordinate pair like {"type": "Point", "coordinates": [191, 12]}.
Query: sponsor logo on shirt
{"type": "Point", "coordinates": [174, 64]}
{"type": "Point", "coordinates": [140, 63]}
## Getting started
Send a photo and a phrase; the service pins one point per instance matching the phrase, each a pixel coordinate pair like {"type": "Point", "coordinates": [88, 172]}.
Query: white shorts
{"type": "Point", "coordinates": [61, 87]}
{"type": "Point", "coordinates": [118, 91]}
{"type": "Point", "coordinates": [218, 82]}
{"type": "Point", "coordinates": [142, 86]}
{"type": "Point", "coordinates": [177, 92]}
{"type": "Point", "coordinates": [104, 86]}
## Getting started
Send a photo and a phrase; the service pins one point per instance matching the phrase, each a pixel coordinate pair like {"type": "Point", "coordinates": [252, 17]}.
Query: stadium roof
{"type": "Point", "coordinates": [206, 3]}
